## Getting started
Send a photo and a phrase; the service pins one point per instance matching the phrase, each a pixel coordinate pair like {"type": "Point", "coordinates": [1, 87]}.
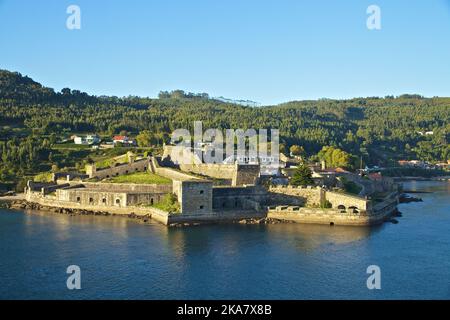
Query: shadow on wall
{"type": "Point", "coordinates": [284, 199]}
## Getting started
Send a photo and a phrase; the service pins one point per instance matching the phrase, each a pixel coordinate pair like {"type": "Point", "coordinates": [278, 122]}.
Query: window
{"type": "Point", "coordinates": [78, 199]}
{"type": "Point", "coordinates": [118, 202]}
{"type": "Point", "coordinates": [104, 200]}
{"type": "Point", "coordinates": [201, 207]}
{"type": "Point", "coordinates": [151, 201]}
{"type": "Point", "coordinates": [201, 191]}
{"type": "Point", "coordinates": [91, 200]}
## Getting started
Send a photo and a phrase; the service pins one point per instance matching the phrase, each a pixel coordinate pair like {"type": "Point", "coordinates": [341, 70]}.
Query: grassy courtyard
{"type": "Point", "coordinates": [140, 177]}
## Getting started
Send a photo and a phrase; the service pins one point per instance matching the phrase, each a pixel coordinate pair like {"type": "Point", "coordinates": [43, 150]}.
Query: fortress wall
{"type": "Point", "coordinates": [239, 174]}
{"type": "Point", "coordinates": [218, 171]}
{"type": "Point", "coordinates": [238, 198]}
{"type": "Point", "coordinates": [246, 174]}
{"type": "Point", "coordinates": [310, 196]}
{"type": "Point", "coordinates": [195, 197]}
{"type": "Point", "coordinates": [215, 217]}
{"type": "Point", "coordinates": [174, 174]}
{"type": "Point", "coordinates": [127, 187]}
{"type": "Point", "coordinates": [101, 198]}
{"type": "Point", "coordinates": [336, 199]}
{"type": "Point", "coordinates": [169, 173]}
{"type": "Point", "coordinates": [136, 166]}
{"type": "Point", "coordinates": [86, 197]}
{"type": "Point", "coordinates": [52, 202]}
{"type": "Point", "coordinates": [327, 216]}
{"type": "Point", "coordinates": [144, 198]}
{"type": "Point", "coordinates": [315, 196]}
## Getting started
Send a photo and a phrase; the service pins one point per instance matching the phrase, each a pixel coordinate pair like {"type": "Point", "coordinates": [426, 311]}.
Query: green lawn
{"type": "Point", "coordinates": [140, 177]}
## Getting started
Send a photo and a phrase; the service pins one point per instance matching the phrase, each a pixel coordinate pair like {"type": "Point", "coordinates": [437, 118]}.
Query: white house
{"type": "Point", "coordinates": [87, 140]}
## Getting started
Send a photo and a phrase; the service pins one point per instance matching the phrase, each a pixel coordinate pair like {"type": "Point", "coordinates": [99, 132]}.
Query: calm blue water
{"type": "Point", "coordinates": [120, 259]}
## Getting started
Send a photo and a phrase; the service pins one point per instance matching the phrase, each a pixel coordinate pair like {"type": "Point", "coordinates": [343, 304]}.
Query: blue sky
{"type": "Point", "coordinates": [266, 51]}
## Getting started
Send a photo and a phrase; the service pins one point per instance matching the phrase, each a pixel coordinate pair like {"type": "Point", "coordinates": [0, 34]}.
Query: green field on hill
{"type": "Point", "coordinates": [140, 177]}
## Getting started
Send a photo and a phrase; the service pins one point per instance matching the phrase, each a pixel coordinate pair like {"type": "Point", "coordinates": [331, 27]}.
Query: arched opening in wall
{"type": "Point", "coordinates": [145, 168]}
{"type": "Point", "coordinates": [151, 201]}
{"type": "Point", "coordinates": [136, 169]}
{"type": "Point", "coordinates": [104, 200]}
{"type": "Point", "coordinates": [118, 202]}
{"type": "Point", "coordinates": [126, 171]}
{"type": "Point", "coordinates": [91, 200]}
{"type": "Point", "coordinates": [354, 209]}
{"type": "Point", "coordinates": [331, 223]}
{"type": "Point", "coordinates": [201, 207]}
{"type": "Point", "coordinates": [107, 176]}
{"type": "Point", "coordinates": [117, 173]}
{"type": "Point", "coordinates": [201, 191]}
{"type": "Point", "coordinates": [341, 207]}
{"type": "Point", "coordinates": [78, 199]}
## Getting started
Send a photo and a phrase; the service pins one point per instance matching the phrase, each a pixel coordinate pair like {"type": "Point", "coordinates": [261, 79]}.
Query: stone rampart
{"type": "Point", "coordinates": [238, 198]}
{"type": "Point", "coordinates": [327, 216]}
{"type": "Point", "coordinates": [309, 196]}
{"type": "Point", "coordinates": [341, 200]}
{"type": "Point", "coordinates": [121, 169]}
{"type": "Point", "coordinates": [51, 201]}
{"type": "Point", "coordinates": [124, 187]}
{"type": "Point", "coordinates": [316, 196]}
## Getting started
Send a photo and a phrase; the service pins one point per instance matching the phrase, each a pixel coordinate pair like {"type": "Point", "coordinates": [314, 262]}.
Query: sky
{"type": "Point", "coordinates": [266, 51]}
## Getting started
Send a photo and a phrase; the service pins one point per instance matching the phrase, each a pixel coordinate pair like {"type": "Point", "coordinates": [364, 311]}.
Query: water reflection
{"type": "Point", "coordinates": [204, 239]}
{"type": "Point", "coordinates": [308, 237]}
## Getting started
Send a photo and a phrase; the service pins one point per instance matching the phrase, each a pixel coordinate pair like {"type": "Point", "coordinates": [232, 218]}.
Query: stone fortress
{"type": "Point", "coordinates": [205, 193]}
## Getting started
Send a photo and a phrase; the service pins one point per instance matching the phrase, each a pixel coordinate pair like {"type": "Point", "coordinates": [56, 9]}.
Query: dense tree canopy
{"type": "Point", "coordinates": [378, 130]}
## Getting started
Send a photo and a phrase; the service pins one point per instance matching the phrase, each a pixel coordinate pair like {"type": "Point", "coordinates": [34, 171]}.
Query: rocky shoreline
{"type": "Point", "coordinates": [25, 205]}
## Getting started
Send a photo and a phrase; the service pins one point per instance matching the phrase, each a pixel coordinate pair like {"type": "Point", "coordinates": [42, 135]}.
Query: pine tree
{"type": "Point", "coordinates": [302, 176]}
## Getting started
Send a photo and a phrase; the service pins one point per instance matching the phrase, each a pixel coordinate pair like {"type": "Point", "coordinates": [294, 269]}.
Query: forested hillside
{"type": "Point", "coordinates": [380, 130]}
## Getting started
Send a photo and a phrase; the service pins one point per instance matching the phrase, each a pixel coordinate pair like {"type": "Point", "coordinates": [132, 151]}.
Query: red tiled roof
{"type": "Point", "coordinates": [120, 138]}
{"type": "Point", "coordinates": [375, 176]}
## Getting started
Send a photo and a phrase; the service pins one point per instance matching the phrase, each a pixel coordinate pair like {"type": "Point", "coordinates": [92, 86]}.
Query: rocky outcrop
{"type": "Point", "coordinates": [406, 198]}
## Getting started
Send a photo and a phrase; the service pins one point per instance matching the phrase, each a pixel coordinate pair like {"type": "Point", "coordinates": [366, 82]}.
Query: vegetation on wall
{"type": "Point", "coordinates": [168, 203]}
